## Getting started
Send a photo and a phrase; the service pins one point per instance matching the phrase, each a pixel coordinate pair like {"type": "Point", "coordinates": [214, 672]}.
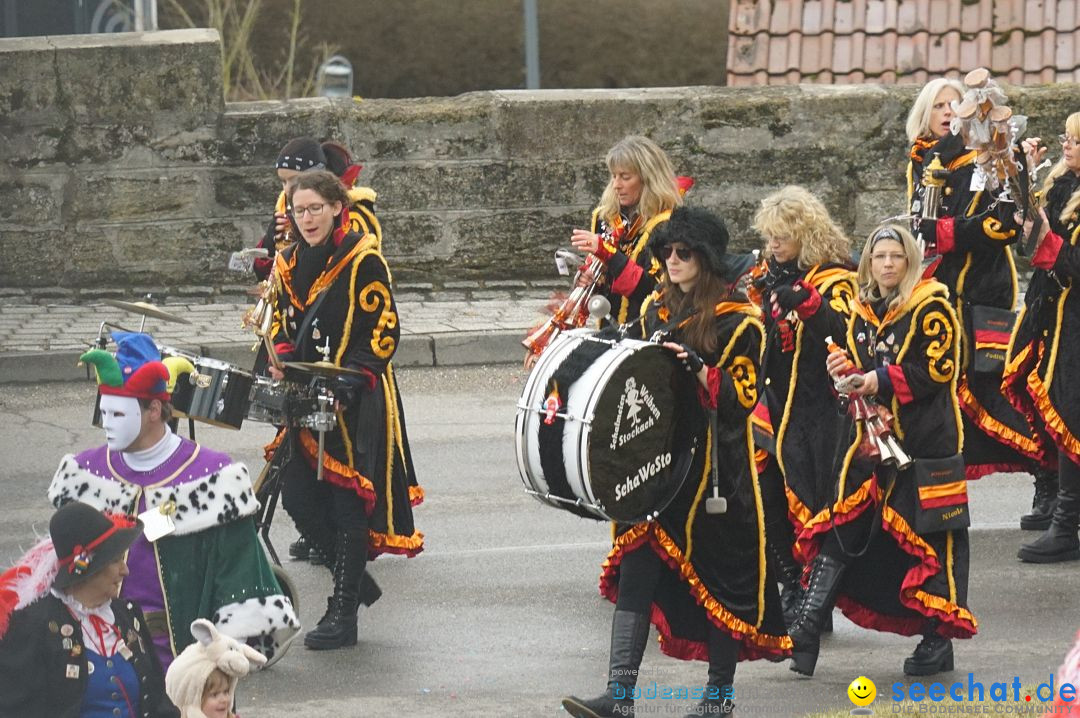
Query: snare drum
{"type": "Point", "coordinates": [268, 398]}
{"type": "Point", "coordinates": [216, 393]}
{"type": "Point", "coordinates": [625, 432]}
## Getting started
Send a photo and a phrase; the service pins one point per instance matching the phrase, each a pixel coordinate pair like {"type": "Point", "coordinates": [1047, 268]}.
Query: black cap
{"type": "Point", "coordinates": [86, 540]}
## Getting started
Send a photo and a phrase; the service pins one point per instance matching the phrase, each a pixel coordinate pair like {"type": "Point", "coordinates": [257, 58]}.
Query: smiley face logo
{"type": "Point", "coordinates": [862, 691]}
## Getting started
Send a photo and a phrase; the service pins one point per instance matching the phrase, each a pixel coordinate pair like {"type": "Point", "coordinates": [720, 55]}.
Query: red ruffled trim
{"type": "Point", "coordinates": [1013, 383]}
{"type": "Point", "coordinates": [977, 471]}
{"type": "Point", "coordinates": [1027, 445]}
{"type": "Point", "coordinates": [336, 472]}
{"type": "Point", "coordinates": [753, 645]}
{"type": "Point", "coordinates": [806, 548]}
{"type": "Point", "coordinates": [380, 543]}
{"type": "Point", "coordinates": [416, 495]}
{"type": "Point", "coordinates": [1066, 442]}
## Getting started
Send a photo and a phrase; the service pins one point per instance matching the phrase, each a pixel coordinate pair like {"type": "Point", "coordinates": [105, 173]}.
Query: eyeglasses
{"type": "Point", "coordinates": [683, 253]}
{"type": "Point", "coordinates": [313, 209]}
{"type": "Point", "coordinates": [1070, 141]}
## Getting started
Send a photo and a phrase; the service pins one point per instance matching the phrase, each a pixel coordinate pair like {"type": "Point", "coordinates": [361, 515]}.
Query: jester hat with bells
{"type": "Point", "coordinates": [137, 370]}
{"type": "Point", "coordinates": [188, 674]}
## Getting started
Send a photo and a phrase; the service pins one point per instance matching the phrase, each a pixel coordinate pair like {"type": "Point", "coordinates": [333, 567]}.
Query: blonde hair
{"type": "Point", "coordinates": [918, 120]}
{"type": "Point", "coordinates": [868, 287]}
{"type": "Point", "coordinates": [795, 213]}
{"type": "Point", "coordinates": [648, 161]}
{"type": "Point", "coordinates": [1072, 129]}
{"type": "Point", "coordinates": [217, 681]}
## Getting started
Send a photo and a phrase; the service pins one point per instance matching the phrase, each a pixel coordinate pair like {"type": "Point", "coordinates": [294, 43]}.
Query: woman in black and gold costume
{"type": "Point", "coordinates": [335, 300]}
{"type": "Point", "coordinates": [1040, 378]}
{"type": "Point", "coordinates": [804, 287]}
{"type": "Point", "coordinates": [699, 577]}
{"type": "Point", "coordinates": [639, 197]}
{"type": "Point", "coordinates": [868, 553]}
{"type": "Point", "coordinates": [969, 248]}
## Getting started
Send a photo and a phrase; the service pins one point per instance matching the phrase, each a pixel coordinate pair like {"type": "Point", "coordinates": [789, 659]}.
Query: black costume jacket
{"type": "Point", "coordinates": [973, 236]}
{"type": "Point", "coordinates": [350, 305]}
{"type": "Point", "coordinates": [1041, 375]}
{"type": "Point", "coordinates": [903, 578]}
{"type": "Point", "coordinates": [716, 562]}
{"type": "Point", "coordinates": [798, 390]}
{"type": "Point", "coordinates": [632, 271]}
{"type": "Point", "coordinates": [40, 678]}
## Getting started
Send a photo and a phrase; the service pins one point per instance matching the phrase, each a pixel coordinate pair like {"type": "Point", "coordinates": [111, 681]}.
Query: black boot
{"type": "Point", "coordinates": [629, 634]}
{"type": "Point", "coordinates": [932, 655]}
{"type": "Point", "coordinates": [784, 567]}
{"type": "Point", "coordinates": [1059, 542]}
{"type": "Point", "coordinates": [814, 611]}
{"type": "Point", "coordinates": [317, 558]}
{"type": "Point", "coordinates": [1042, 506]}
{"type": "Point", "coordinates": [337, 628]}
{"type": "Point", "coordinates": [300, 548]}
{"type": "Point", "coordinates": [719, 694]}
{"type": "Point", "coordinates": [369, 590]}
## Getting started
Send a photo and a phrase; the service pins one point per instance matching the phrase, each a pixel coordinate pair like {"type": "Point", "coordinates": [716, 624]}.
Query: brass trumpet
{"type": "Point", "coordinates": [260, 318]}
{"type": "Point", "coordinates": [572, 313]}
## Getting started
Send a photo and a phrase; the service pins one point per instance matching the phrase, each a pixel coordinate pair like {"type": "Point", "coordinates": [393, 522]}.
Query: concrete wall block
{"type": "Point", "coordinates": [32, 200]}
{"type": "Point", "coordinates": [425, 128]}
{"type": "Point", "coordinates": [871, 208]}
{"type": "Point", "coordinates": [114, 196]}
{"type": "Point", "coordinates": [579, 124]}
{"type": "Point", "coordinates": [505, 245]}
{"type": "Point", "coordinates": [474, 185]}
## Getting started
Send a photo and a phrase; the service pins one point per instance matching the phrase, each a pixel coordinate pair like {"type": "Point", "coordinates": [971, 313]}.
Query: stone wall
{"type": "Point", "coordinates": [124, 167]}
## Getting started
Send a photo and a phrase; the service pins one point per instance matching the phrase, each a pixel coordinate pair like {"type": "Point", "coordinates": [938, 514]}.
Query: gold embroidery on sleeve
{"type": "Point", "coordinates": [375, 296]}
{"type": "Point", "coordinates": [937, 327]}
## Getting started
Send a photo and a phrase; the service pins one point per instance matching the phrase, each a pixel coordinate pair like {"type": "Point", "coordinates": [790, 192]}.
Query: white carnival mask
{"type": "Point", "coordinates": [121, 418]}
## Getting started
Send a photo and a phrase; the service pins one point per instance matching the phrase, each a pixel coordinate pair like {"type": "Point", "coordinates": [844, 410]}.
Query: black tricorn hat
{"type": "Point", "coordinates": [700, 230]}
{"type": "Point", "coordinates": [86, 540]}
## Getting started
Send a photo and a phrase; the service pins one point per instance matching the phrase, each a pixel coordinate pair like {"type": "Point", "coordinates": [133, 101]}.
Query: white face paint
{"type": "Point", "coordinates": [121, 418]}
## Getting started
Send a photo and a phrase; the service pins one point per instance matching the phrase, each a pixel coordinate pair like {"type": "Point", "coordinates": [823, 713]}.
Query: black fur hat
{"type": "Point", "coordinates": [701, 231]}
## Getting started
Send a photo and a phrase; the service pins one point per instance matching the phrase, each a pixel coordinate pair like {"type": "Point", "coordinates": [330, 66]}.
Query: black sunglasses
{"type": "Point", "coordinates": [684, 254]}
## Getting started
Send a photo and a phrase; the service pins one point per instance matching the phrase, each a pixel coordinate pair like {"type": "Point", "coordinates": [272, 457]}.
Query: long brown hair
{"type": "Point", "coordinates": [709, 290]}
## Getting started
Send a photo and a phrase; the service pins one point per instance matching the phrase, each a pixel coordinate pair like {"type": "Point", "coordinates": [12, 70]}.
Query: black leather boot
{"type": "Point", "coordinates": [933, 655]}
{"type": "Point", "coordinates": [300, 548]}
{"type": "Point", "coordinates": [814, 610]}
{"type": "Point", "coordinates": [784, 567]}
{"type": "Point", "coordinates": [1059, 542]}
{"type": "Point", "coordinates": [719, 693]}
{"type": "Point", "coordinates": [629, 635]}
{"type": "Point", "coordinates": [1042, 505]}
{"type": "Point", "coordinates": [337, 629]}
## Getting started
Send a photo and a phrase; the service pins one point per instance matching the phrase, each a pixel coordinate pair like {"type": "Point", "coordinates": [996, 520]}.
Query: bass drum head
{"type": "Point", "coordinates": [647, 422]}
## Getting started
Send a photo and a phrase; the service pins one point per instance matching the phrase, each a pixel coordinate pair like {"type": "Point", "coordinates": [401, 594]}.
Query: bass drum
{"type": "Point", "coordinates": [607, 429]}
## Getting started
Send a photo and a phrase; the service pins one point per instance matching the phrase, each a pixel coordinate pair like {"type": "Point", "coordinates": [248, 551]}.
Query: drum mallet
{"type": "Point", "coordinates": [600, 307]}
{"type": "Point", "coordinates": [715, 504]}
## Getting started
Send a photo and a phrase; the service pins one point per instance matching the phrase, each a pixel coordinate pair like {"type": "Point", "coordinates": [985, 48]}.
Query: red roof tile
{"type": "Point", "coordinates": [788, 41]}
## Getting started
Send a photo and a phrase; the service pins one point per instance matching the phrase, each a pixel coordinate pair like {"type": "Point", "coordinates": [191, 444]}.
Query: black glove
{"type": "Point", "coordinates": [790, 296]}
{"type": "Point", "coordinates": [692, 362]}
{"type": "Point", "coordinates": [350, 387]}
{"type": "Point", "coordinates": [928, 231]}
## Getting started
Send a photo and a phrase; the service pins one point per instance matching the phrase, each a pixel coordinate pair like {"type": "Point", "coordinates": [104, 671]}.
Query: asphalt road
{"type": "Point", "coordinates": [500, 615]}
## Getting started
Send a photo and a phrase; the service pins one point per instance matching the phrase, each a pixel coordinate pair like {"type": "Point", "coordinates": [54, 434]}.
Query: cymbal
{"type": "Point", "coordinates": [145, 309]}
{"type": "Point", "coordinates": [322, 368]}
